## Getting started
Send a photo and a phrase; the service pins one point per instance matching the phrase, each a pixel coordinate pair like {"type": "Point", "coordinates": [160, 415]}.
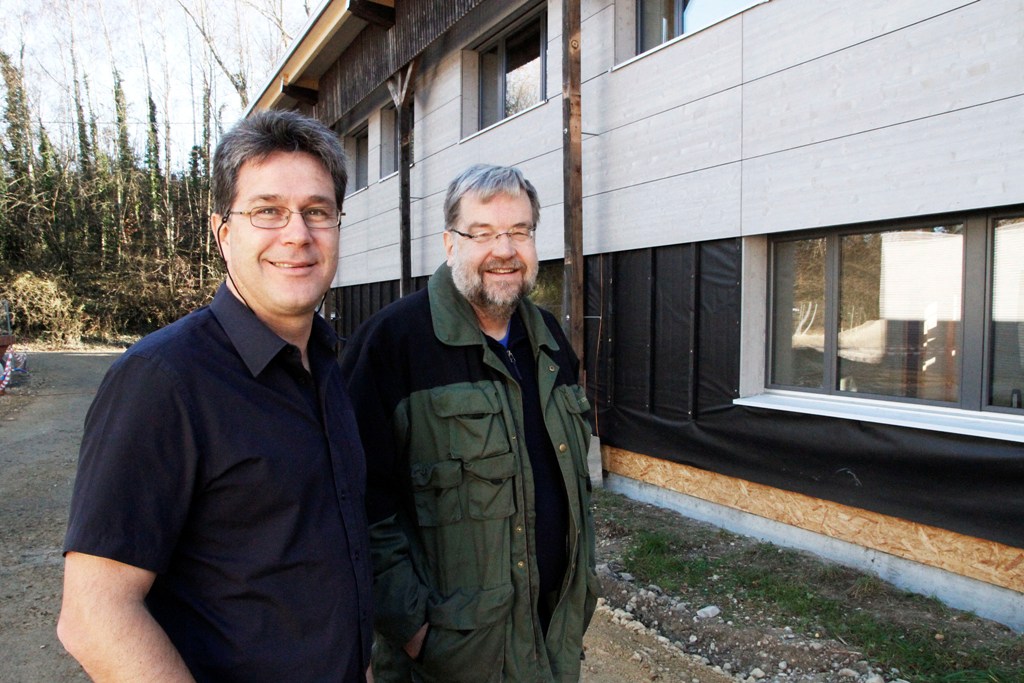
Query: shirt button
{"type": "Point", "coordinates": [562, 448]}
{"type": "Point", "coordinates": [513, 437]}
{"type": "Point", "coordinates": [520, 564]}
{"type": "Point", "coordinates": [519, 530]}
{"type": "Point", "coordinates": [552, 368]}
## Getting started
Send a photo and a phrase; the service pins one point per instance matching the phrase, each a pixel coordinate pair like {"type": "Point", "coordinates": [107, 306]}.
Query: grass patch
{"type": "Point", "coordinates": [926, 641]}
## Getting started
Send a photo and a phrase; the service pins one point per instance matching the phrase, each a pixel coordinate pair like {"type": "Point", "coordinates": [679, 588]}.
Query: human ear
{"type": "Point", "coordinates": [449, 246]}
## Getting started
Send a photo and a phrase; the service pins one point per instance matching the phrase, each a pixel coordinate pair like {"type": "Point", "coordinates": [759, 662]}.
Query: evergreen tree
{"type": "Point", "coordinates": [18, 166]}
{"type": "Point", "coordinates": [154, 176]}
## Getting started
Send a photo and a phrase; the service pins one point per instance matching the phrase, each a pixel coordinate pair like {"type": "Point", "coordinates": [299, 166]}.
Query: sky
{"type": "Point", "coordinates": [133, 35]}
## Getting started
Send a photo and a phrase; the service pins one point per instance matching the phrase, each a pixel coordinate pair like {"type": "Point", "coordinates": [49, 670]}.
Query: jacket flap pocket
{"type": "Point", "coordinates": [574, 399]}
{"type": "Point", "coordinates": [466, 400]}
{"type": "Point", "coordinates": [437, 475]}
{"type": "Point", "coordinates": [495, 469]}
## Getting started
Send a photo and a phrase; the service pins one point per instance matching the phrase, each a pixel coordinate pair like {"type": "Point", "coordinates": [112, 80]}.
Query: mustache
{"type": "Point", "coordinates": [503, 263]}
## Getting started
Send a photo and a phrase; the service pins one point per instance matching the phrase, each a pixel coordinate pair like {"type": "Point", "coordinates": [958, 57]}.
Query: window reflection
{"type": "Point", "coordinates": [701, 13]}
{"type": "Point", "coordinates": [798, 310]}
{"type": "Point", "coordinates": [512, 74]}
{"type": "Point", "coordinates": [660, 21]}
{"type": "Point", "coordinates": [522, 71]}
{"type": "Point", "coordinates": [657, 22]}
{"type": "Point", "coordinates": [1007, 375]}
{"type": "Point", "coordinates": [900, 312]}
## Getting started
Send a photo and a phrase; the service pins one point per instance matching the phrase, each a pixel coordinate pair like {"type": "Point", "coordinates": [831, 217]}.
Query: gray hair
{"type": "Point", "coordinates": [269, 131]}
{"type": "Point", "coordinates": [487, 181]}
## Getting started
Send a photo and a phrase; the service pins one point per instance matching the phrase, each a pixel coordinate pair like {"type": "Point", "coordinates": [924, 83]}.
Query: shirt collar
{"type": "Point", "coordinates": [254, 341]}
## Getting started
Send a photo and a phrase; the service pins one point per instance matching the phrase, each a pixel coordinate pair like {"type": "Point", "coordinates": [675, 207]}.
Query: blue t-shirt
{"type": "Point", "coordinates": [214, 459]}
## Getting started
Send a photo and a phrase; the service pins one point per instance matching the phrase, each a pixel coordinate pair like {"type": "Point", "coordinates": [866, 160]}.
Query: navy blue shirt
{"type": "Point", "coordinates": [214, 459]}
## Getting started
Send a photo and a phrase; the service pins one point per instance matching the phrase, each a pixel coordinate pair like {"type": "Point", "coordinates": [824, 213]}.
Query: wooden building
{"type": "Point", "coordinates": [803, 229]}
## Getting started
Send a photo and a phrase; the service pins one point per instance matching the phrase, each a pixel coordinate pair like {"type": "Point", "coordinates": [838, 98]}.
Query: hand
{"type": "Point", "coordinates": [415, 644]}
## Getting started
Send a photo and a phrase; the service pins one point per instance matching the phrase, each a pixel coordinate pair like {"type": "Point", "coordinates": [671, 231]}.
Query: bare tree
{"type": "Point", "coordinates": [237, 75]}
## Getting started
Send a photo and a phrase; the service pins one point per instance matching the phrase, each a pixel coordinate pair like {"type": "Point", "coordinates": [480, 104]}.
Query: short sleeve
{"type": "Point", "coordinates": [136, 468]}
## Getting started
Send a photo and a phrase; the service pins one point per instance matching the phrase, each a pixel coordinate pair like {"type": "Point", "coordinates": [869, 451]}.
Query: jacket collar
{"type": "Point", "coordinates": [456, 324]}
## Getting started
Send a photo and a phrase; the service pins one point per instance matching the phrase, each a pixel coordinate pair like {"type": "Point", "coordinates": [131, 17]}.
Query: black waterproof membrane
{"type": "Point", "coordinates": [662, 358]}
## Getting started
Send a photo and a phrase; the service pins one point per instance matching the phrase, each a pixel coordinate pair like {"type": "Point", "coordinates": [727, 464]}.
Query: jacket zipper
{"type": "Point", "coordinates": [515, 365]}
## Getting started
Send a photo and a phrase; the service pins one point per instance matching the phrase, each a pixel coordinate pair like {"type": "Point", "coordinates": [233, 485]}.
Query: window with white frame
{"type": "Point", "coordinates": [511, 70]}
{"type": "Point", "coordinates": [928, 312]}
{"type": "Point", "coordinates": [658, 21]}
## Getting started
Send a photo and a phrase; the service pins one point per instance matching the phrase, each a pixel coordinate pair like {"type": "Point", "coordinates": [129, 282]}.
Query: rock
{"type": "Point", "coordinates": [874, 678]}
{"type": "Point", "coordinates": [708, 612]}
{"type": "Point", "coordinates": [757, 674]}
{"type": "Point", "coordinates": [848, 673]}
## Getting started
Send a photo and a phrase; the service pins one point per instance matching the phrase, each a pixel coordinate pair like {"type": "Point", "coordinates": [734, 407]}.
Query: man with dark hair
{"type": "Point", "coordinates": [476, 436]}
{"type": "Point", "coordinates": [217, 528]}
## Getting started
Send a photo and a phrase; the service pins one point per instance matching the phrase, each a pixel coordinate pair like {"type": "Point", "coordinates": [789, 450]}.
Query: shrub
{"type": "Point", "coordinates": [43, 308]}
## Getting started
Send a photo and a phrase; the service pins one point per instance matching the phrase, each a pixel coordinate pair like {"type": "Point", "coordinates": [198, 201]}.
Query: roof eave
{"type": "Point", "coordinates": [330, 29]}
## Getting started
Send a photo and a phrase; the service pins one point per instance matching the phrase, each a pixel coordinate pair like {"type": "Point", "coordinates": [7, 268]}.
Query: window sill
{"type": "Point", "coordinates": [1000, 426]}
{"type": "Point", "coordinates": [504, 120]}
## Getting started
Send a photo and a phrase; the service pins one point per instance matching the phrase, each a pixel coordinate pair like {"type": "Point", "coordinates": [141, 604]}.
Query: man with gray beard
{"type": "Point", "coordinates": [476, 434]}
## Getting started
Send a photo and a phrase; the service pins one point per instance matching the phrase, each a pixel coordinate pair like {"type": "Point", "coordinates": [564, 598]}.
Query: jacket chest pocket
{"type": "Point", "coordinates": [576, 406]}
{"type": "Point", "coordinates": [475, 424]}
{"type": "Point", "coordinates": [474, 474]}
{"type": "Point", "coordinates": [489, 486]}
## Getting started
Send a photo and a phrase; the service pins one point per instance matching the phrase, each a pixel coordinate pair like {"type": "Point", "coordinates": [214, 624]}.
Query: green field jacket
{"type": "Point", "coordinates": [450, 492]}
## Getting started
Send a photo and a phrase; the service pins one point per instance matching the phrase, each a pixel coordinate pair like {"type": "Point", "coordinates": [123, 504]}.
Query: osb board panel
{"type": "Point", "coordinates": [987, 561]}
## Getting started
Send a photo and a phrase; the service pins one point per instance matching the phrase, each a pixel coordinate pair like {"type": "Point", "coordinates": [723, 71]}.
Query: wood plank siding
{"type": "Point", "coordinates": [377, 54]}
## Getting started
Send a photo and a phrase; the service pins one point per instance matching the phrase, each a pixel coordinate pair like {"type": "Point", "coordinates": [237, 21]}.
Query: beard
{"type": "Point", "coordinates": [499, 300]}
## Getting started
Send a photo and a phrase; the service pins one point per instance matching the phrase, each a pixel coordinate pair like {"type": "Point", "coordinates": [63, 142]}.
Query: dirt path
{"type": "Point", "coordinates": [40, 428]}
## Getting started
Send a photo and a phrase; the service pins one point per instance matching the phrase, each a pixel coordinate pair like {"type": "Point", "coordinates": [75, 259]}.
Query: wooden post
{"type": "Point", "coordinates": [572, 171]}
{"type": "Point", "coordinates": [401, 94]}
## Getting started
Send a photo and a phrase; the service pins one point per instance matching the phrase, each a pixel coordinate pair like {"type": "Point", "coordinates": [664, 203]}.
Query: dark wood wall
{"type": "Point", "coordinates": [376, 54]}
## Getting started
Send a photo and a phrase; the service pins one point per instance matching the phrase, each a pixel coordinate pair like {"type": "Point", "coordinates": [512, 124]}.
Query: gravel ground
{"type": "Point", "coordinates": [40, 428]}
{"type": "Point", "coordinates": [639, 633]}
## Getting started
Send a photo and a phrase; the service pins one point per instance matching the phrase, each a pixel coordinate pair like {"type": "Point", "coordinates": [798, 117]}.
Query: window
{"type": "Point", "coordinates": [887, 312]}
{"type": "Point", "coordinates": [511, 71]}
{"type": "Point", "coordinates": [357, 146]}
{"type": "Point", "coordinates": [659, 21]}
{"type": "Point", "coordinates": [391, 139]}
{"type": "Point", "coordinates": [1008, 314]}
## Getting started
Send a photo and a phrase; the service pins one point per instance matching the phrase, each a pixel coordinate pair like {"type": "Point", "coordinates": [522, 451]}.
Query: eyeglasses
{"type": "Point", "coordinates": [515, 236]}
{"type": "Point", "coordinates": [273, 217]}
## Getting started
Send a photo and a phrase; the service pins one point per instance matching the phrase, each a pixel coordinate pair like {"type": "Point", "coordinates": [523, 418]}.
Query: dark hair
{"type": "Point", "coordinates": [266, 132]}
{"type": "Point", "coordinates": [486, 181]}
